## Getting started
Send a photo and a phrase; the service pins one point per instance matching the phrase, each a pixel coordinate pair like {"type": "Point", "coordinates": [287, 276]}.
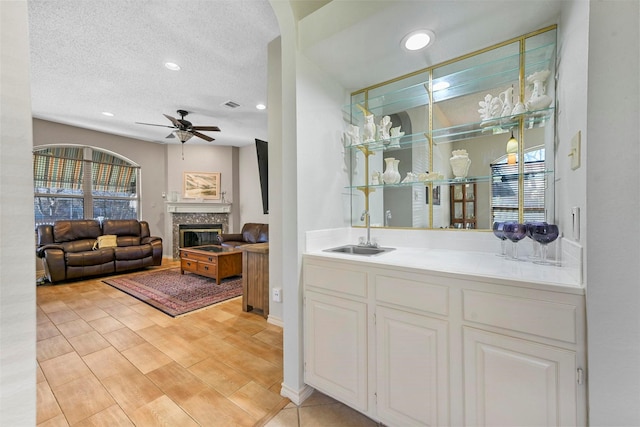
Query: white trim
{"type": "Point", "coordinates": [275, 321]}
{"type": "Point", "coordinates": [297, 397]}
{"type": "Point", "coordinates": [198, 207]}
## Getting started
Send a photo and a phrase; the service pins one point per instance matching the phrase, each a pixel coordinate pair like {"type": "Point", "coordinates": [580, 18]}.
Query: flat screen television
{"type": "Point", "coordinates": [262, 149]}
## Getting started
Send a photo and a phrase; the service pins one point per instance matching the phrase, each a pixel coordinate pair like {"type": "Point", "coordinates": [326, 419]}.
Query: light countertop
{"type": "Point", "coordinates": [464, 264]}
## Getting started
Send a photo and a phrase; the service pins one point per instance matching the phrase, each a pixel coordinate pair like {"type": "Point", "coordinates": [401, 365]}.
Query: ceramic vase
{"type": "Point", "coordinates": [460, 163]}
{"type": "Point", "coordinates": [391, 174]}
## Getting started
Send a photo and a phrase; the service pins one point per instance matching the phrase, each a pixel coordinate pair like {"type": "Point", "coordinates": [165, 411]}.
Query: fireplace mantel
{"type": "Point", "coordinates": [198, 207]}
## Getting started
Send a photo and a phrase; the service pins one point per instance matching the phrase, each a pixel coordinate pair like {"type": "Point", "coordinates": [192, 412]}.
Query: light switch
{"type": "Point", "coordinates": [575, 151]}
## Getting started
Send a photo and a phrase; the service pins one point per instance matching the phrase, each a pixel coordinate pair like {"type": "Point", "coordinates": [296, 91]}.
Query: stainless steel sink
{"type": "Point", "coordinates": [359, 250]}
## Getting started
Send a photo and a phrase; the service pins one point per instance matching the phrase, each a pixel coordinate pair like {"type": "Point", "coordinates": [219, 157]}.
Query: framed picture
{"type": "Point", "coordinates": [201, 185]}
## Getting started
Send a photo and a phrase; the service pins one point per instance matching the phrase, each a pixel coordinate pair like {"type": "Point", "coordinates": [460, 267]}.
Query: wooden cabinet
{"type": "Point", "coordinates": [255, 278]}
{"type": "Point", "coordinates": [411, 348]}
{"type": "Point", "coordinates": [463, 206]}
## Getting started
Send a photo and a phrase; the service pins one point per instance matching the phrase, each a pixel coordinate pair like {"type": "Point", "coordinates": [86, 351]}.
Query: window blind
{"type": "Point", "coordinates": [504, 191]}
{"type": "Point", "coordinates": [58, 170]}
{"type": "Point", "coordinates": [110, 174]}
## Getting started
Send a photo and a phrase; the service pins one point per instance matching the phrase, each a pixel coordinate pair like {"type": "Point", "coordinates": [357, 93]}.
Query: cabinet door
{"type": "Point", "coordinates": [514, 382]}
{"type": "Point", "coordinates": [413, 372]}
{"type": "Point", "coordinates": [335, 331]}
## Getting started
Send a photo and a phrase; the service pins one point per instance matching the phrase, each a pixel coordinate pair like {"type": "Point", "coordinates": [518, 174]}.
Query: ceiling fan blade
{"type": "Point", "coordinates": [153, 124]}
{"type": "Point", "coordinates": [171, 135]}
{"type": "Point", "coordinates": [203, 136]}
{"type": "Point", "coordinates": [209, 128]}
{"type": "Point", "coordinates": [175, 121]}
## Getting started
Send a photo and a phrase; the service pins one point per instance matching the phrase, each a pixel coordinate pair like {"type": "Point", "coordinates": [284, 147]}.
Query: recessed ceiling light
{"type": "Point", "coordinates": [172, 66]}
{"type": "Point", "coordinates": [441, 85]}
{"type": "Point", "coordinates": [261, 107]}
{"type": "Point", "coordinates": [418, 39]}
{"type": "Point", "coordinates": [108, 114]}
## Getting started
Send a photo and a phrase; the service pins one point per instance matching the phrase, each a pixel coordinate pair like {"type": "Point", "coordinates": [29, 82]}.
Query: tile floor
{"type": "Point", "coordinates": [320, 410]}
{"type": "Point", "coordinates": [107, 359]}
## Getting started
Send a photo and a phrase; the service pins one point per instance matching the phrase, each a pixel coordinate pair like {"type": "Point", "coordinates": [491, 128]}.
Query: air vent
{"type": "Point", "coordinates": [231, 104]}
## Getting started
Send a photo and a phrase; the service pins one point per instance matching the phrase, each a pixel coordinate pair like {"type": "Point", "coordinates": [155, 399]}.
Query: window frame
{"type": "Point", "coordinates": [87, 189]}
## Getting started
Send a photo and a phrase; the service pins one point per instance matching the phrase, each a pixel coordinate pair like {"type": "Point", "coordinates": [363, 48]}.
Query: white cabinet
{"type": "Point", "coordinates": [409, 347]}
{"type": "Point", "coordinates": [515, 382]}
{"type": "Point", "coordinates": [336, 347]}
{"type": "Point", "coordinates": [412, 369]}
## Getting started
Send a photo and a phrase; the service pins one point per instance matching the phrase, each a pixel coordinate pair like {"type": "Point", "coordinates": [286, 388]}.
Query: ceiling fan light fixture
{"type": "Point", "coordinates": [183, 135]}
{"type": "Point", "coordinates": [172, 66]}
{"type": "Point", "coordinates": [418, 39]}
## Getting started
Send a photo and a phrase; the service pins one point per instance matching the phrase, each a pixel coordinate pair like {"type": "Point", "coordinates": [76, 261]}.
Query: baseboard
{"type": "Point", "coordinates": [275, 321]}
{"type": "Point", "coordinates": [296, 396]}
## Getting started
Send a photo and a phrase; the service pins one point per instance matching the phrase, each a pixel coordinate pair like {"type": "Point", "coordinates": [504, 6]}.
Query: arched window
{"type": "Point", "coordinates": [504, 187]}
{"type": "Point", "coordinates": [76, 182]}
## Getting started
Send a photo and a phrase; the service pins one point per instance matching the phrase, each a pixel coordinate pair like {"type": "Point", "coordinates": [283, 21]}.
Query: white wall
{"type": "Point", "coordinates": [17, 257]}
{"type": "Point", "coordinates": [274, 96]}
{"type": "Point", "coordinates": [571, 185]}
{"type": "Point", "coordinates": [613, 196]}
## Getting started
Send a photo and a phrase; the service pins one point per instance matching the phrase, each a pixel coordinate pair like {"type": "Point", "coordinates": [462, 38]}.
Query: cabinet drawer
{"type": "Point", "coordinates": [414, 294]}
{"type": "Point", "coordinates": [199, 257]}
{"type": "Point", "coordinates": [188, 264]}
{"type": "Point", "coordinates": [543, 318]}
{"type": "Point", "coordinates": [336, 279]}
{"type": "Point", "coordinates": [206, 268]}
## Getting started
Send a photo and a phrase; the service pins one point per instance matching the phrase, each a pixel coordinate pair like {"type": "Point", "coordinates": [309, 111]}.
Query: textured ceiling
{"type": "Point", "coordinates": [90, 56]}
{"type": "Point", "coordinates": [107, 55]}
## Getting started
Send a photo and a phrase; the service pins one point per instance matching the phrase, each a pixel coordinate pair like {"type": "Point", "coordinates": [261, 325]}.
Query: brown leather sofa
{"type": "Point", "coordinates": [67, 248]}
{"type": "Point", "coordinates": [251, 233]}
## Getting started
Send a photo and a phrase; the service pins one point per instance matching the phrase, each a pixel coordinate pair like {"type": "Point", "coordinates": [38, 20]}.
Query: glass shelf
{"type": "Point", "coordinates": [481, 77]}
{"type": "Point", "coordinates": [532, 119]}
{"type": "Point", "coordinates": [447, 181]}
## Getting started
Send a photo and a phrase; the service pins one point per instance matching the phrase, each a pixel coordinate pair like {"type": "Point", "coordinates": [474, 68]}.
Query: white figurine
{"type": "Point", "coordinates": [395, 137]}
{"type": "Point", "coordinates": [369, 129]}
{"type": "Point", "coordinates": [383, 129]}
{"type": "Point", "coordinates": [353, 136]}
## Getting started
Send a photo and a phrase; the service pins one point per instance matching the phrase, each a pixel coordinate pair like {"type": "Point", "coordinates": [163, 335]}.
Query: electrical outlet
{"type": "Point", "coordinates": [276, 294]}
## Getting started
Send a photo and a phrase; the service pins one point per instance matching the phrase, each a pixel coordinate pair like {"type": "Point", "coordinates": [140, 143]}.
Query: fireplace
{"type": "Point", "coordinates": [198, 234]}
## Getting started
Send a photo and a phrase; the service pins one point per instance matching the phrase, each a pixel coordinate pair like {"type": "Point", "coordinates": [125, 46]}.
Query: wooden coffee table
{"type": "Point", "coordinates": [217, 262]}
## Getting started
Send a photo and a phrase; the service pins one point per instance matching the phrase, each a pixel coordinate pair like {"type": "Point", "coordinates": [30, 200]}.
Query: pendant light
{"type": "Point", "coordinates": [512, 150]}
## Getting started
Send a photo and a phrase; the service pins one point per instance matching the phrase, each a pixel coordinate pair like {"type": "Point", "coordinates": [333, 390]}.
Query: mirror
{"type": "Point", "coordinates": [474, 112]}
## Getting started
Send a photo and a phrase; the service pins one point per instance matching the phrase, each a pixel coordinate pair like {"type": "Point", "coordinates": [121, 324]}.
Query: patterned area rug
{"type": "Point", "coordinates": [174, 293]}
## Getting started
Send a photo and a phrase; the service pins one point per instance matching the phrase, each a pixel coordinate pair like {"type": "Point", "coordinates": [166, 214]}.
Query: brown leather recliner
{"type": "Point", "coordinates": [67, 248]}
{"type": "Point", "coordinates": [251, 233]}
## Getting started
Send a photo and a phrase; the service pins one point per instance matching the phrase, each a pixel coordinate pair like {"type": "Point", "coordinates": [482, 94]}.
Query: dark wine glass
{"type": "Point", "coordinates": [515, 232]}
{"type": "Point", "coordinates": [535, 253]}
{"type": "Point", "coordinates": [545, 234]}
{"type": "Point", "coordinates": [498, 231]}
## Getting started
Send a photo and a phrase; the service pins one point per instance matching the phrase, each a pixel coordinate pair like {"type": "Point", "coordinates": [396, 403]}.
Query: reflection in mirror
{"type": "Point", "coordinates": [461, 117]}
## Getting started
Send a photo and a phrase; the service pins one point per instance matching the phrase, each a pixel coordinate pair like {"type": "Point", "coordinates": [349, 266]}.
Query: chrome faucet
{"type": "Point", "coordinates": [367, 218]}
{"type": "Point", "coordinates": [387, 217]}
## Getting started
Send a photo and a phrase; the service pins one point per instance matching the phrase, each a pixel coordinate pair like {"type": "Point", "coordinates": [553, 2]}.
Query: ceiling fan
{"type": "Point", "coordinates": [184, 129]}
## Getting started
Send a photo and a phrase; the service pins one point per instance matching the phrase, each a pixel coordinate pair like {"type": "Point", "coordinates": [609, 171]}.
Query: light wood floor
{"type": "Point", "coordinates": [107, 359]}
